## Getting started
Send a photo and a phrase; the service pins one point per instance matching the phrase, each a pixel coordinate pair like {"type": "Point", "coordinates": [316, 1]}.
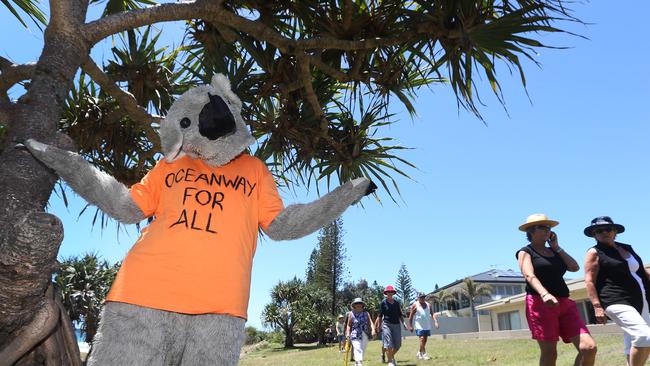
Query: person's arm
{"type": "Point", "coordinates": [372, 325]}
{"type": "Point", "coordinates": [401, 319]}
{"type": "Point", "coordinates": [347, 328]}
{"type": "Point", "coordinates": [591, 273]}
{"type": "Point", "coordinates": [380, 317]}
{"type": "Point", "coordinates": [412, 311]}
{"type": "Point", "coordinates": [571, 264]}
{"type": "Point", "coordinates": [433, 316]}
{"type": "Point", "coordinates": [526, 267]}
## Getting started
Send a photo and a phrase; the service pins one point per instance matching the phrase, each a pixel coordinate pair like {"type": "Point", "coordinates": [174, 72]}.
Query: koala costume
{"type": "Point", "coordinates": [181, 295]}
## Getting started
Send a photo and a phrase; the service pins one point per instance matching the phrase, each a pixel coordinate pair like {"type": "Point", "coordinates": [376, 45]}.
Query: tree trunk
{"type": "Point", "coordinates": [288, 337]}
{"type": "Point", "coordinates": [29, 237]}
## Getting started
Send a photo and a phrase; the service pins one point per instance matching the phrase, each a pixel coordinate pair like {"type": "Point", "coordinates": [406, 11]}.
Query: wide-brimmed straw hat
{"type": "Point", "coordinates": [357, 301]}
{"type": "Point", "coordinates": [602, 221]}
{"type": "Point", "coordinates": [537, 219]}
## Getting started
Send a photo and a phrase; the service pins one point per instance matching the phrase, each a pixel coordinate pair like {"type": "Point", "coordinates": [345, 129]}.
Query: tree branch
{"type": "Point", "coordinates": [67, 15]}
{"type": "Point", "coordinates": [5, 111]}
{"type": "Point", "coordinates": [125, 99]}
{"type": "Point", "coordinates": [99, 29]}
{"type": "Point", "coordinates": [11, 73]}
{"type": "Point", "coordinates": [331, 71]}
{"type": "Point", "coordinates": [212, 10]}
{"type": "Point", "coordinates": [287, 45]}
{"type": "Point", "coordinates": [306, 78]}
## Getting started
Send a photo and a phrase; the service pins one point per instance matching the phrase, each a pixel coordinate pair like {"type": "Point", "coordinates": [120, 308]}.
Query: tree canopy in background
{"type": "Point", "coordinates": [316, 77]}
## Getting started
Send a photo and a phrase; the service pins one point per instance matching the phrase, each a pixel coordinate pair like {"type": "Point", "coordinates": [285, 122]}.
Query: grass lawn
{"type": "Point", "coordinates": [516, 352]}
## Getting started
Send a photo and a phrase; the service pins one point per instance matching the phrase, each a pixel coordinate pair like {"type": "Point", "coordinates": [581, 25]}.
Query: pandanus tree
{"type": "Point", "coordinates": [315, 76]}
{"type": "Point", "coordinates": [474, 290]}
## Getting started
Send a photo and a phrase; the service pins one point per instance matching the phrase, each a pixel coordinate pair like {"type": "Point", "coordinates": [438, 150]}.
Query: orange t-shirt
{"type": "Point", "coordinates": [196, 256]}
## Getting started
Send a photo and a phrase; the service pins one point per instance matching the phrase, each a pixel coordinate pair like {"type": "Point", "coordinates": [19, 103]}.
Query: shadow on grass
{"type": "Point", "coordinates": [300, 347]}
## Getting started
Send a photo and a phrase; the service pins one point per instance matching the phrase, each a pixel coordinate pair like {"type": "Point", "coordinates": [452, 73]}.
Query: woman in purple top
{"type": "Point", "coordinates": [360, 329]}
{"type": "Point", "coordinates": [550, 313]}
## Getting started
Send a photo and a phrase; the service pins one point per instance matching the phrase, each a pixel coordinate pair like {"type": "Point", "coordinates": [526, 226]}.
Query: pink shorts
{"type": "Point", "coordinates": [549, 324]}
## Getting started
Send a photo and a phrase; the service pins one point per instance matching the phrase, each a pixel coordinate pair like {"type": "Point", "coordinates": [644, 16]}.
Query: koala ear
{"type": "Point", "coordinates": [221, 83]}
{"type": "Point", "coordinates": [171, 140]}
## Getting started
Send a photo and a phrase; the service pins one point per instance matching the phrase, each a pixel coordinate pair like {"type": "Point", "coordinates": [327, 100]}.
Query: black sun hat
{"type": "Point", "coordinates": [602, 221]}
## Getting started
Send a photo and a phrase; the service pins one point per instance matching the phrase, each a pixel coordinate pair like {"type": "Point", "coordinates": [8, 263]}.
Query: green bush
{"type": "Point", "coordinates": [277, 336]}
{"type": "Point", "coordinates": [254, 336]}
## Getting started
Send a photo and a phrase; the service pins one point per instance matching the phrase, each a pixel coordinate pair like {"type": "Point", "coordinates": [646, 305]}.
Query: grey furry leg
{"type": "Point", "coordinates": [134, 335]}
{"type": "Point", "coordinates": [299, 220]}
{"type": "Point", "coordinates": [213, 339]}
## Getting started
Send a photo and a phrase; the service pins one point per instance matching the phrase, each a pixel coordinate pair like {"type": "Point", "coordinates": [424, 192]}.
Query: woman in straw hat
{"type": "Point", "coordinates": [550, 313]}
{"type": "Point", "coordinates": [618, 286]}
{"type": "Point", "coordinates": [359, 330]}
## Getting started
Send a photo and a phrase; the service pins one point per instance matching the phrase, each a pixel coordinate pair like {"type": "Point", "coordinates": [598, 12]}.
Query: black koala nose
{"type": "Point", "coordinates": [215, 119]}
{"type": "Point", "coordinates": [185, 122]}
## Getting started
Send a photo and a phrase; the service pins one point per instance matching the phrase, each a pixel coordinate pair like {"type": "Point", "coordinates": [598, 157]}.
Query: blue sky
{"type": "Point", "coordinates": [579, 150]}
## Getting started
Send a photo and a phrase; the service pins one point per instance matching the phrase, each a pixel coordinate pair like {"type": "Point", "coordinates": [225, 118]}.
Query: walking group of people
{"type": "Point", "coordinates": [617, 284]}
{"type": "Point", "coordinates": [616, 281]}
{"type": "Point", "coordinates": [359, 326]}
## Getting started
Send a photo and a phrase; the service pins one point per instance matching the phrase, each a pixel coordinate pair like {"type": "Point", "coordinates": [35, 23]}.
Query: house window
{"type": "Point", "coordinates": [509, 320]}
{"type": "Point", "coordinates": [500, 290]}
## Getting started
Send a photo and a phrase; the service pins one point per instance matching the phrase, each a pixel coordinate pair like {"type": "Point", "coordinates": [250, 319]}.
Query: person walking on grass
{"type": "Point", "coordinates": [618, 286]}
{"type": "Point", "coordinates": [422, 313]}
{"type": "Point", "coordinates": [550, 312]}
{"type": "Point", "coordinates": [340, 332]}
{"type": "Point", "coordinates": [391, 320]}
{"type": "Point", "coordinates": [359, 330]}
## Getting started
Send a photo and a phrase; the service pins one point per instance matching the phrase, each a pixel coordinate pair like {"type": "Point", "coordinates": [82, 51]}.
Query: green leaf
{"type": "Point", "coordinates": [30, 7]}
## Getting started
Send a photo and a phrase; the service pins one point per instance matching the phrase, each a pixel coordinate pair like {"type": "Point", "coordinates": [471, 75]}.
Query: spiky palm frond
{"type": "Point", "coordinates": [331, 124]}
{"type": "Point", "coordinates": [83, 283]}
{"type": "Point", "coordinates": [29, 7]}
{"type": "Point", "coordinates": [104, 135]}
{"type": "Point", "coordinates": [147, 72]}
{"type": "Point", "coordinates": [116, 6]}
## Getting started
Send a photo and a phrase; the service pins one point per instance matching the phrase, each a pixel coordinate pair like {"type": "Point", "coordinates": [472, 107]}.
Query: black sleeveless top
{"type": "Point", "coordinates": [614, 283]}
{"type": "Point", "coordinates": [549, 271]}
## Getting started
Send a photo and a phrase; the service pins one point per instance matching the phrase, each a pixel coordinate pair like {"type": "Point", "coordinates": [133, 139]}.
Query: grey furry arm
{"type": "Point", "coordinates": [298, 220]}
{"type": "Point", "coordinates": [95, 186]}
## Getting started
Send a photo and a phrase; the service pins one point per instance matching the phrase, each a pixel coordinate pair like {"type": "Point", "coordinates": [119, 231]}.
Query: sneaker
{"type": "Point", "coordinates": [425, 357]}
{"type": "Point", "coordinates": [418, 355]}
{"type": "Point", "coordinates": [391, 363]}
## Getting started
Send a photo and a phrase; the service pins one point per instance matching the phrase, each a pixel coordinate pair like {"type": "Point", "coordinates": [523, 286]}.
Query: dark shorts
{"type": "Point", "coordinates": [392, 335]}
{"type": "Point", "coordinates": [422, 332]}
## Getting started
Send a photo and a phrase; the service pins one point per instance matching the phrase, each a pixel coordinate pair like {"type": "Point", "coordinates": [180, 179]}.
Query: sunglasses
{"type": "Point", "coordinates": [603, 230]}
{"type": "Point", "coordinates": [542, 227]}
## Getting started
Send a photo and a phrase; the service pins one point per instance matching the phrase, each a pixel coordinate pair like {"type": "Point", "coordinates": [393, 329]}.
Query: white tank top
{"type": "Point", "coordinates": [422, 317]}
{"type": "Point", "coordinates": [633, 265]}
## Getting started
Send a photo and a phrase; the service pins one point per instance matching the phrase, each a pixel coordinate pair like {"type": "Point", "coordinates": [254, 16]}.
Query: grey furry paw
{"type": "Point", "coordinates": [361, 188]}
{"type": "Point", "coordinates": [35, 147]}
{"type": "Point", "coordinates": [372, 187]}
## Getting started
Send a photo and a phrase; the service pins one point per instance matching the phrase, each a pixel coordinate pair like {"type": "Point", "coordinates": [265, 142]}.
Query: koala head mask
{"type": "Point", "coordinates": [205, 123]}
